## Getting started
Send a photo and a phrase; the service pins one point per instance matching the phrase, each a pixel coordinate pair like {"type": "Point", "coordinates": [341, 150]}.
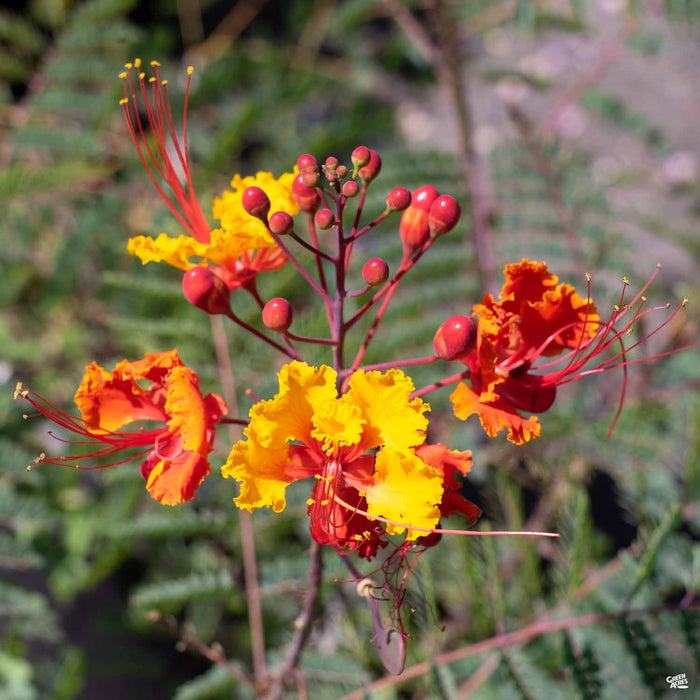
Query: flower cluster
{"type": "Point", "coordinates": [358, 431]}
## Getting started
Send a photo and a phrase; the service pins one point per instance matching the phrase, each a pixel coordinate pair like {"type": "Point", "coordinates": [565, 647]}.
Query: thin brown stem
{"type": "Point", "coordinates": [501, 641]}
{"type": "Point", "coordinates": [302, 625]}
{"type": "Point", "coordinates": [247, 530]}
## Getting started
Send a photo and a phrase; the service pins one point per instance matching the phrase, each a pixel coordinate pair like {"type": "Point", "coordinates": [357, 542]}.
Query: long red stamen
{"type": "Point", "coordinates": [185, 206]}
{"type": "Point", "coordinates": [109, 442]}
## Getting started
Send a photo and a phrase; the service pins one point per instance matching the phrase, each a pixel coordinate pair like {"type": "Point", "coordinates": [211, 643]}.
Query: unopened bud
{"type": "Point", "coordinates": [341, 171]}
{"type": "Point", "coordinates": [360, 156]}
{"type": "Point", "coordinates": [256, 202]}
{"type": "Point", "coordinates": [277, 314]}
{"type": "Point", "coordinates": [324, 219]}
{"type": "Point", "coordinates": [455, 338]}
{"type": "Point", "coordinates": [331, 162]}
{"type": "Point", "coordinates": [206, 290]}
{"type": "Point", "coordinates": [306, 197]}
{"type": "Point", "coordinates": [375, 272]}
{"type": "Point", "coordinates": [281, 223]}
{"type": "Point", "coordinates": [398, 199]}
{"type": "Point", "coordinates": [443, 215]}
{"type": "Point", "coordinates": [306, 162]}
{"type": "Point", "coordinates": [350, 188]}
{"type": "Point", "coordinates": [414, 229]}
{"type": "Point", "coordinates": [310, 178]}
{"type": "Point", "coordinates": [373, 167]}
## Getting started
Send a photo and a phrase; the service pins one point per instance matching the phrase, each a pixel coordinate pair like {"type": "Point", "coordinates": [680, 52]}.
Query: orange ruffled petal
{"type": "Point", "coordinates": [174, 482]}
{"type": "Point", "coordinates": [496, 416]}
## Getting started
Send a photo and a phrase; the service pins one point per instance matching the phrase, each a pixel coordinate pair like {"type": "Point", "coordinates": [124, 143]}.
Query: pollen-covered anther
{"type": "Point", "coordinates": [137, 63]}
{"type": "Point", "coordinates": [625, 281]}
{"type": "Point", "coordinates": [190, 70]}
{"type": "Point", "coordinates": [155, 64]}
{"type": "Point", "coordinates": [628, 332]}
{"type": "Point", "coordinates": [20, 391]}
{"type": "Point", "coordinates": [124, 101]}
{"type": "Point", "coordinates": [684, 302]}
{"type": "Point", "coordinates": [310, 501]}
{"type": "Point", "coordinates": [588, 277]}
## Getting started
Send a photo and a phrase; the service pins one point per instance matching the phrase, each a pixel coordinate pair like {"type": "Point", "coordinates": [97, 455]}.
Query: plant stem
{"type": "Point", "coordinates": [302, 625]}
{"type": "Point", "coordinates": [247, 530]}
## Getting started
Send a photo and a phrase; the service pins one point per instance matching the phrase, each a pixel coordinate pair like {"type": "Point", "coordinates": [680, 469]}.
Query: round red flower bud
{"type": "Point", "coordinates": [373, 167]}
{"type": "Point", "coordinates": [375, 272]}
{"type": "Point", "coordinates": [324, 218]}
{"type": "Point", "coordinates": [306, 162]}
{"type": "Point", "coordinates": [350, 188]}
{"type": "Point", "coordinates": [398, 199]}
{"type": "Point", "coordinates": [413, 228]}
{"type": "Point", "coordinates": [277, 314]}
{"type": "Point", "coordinates": [309, 178]}
{"type": "Point", "coordinates": [281, 223]}
{"type": "Point", "coordinates": [206, 290]}
{"type": "Point", "coordinates": [341, 171]}
{"type": "Point", "coordinates": [360, 156]}
{"type": "Point", "coordinates": [256, 202]}
{"type": "Point", "coordinates": [455, 338]}
{"type": "Point", "coordinates": [443, 215]}
{"type": "Point", "coordinates": [331, 162]}
{"type": "Point", "coordinates": [306, 197]}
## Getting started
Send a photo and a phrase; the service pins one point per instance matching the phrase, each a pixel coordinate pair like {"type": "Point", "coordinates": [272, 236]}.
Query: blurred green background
{"type": "Point", "coordinates": [571, 125]}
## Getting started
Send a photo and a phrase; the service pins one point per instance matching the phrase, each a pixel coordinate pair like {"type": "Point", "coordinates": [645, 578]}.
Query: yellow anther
{"type": "Point", "coordinates": [164, 82]}
{"type": "Point", "coordinates": [40, 458]}
{"type": "Point", "coordinates": [128, 66]}
{"type": "Point", "coordinates": [588, 277]}
{"type": "Point", "coordinates": [644, 298]}
{"type": "Point", "coordinates": [658, 266]}
{"type": "Point", "coordinates": [190, 70]}
{"type": "Point", "coordinates": [616, 308]}
{"type": "Point", "coordinates": [685, 301]}
{"type": "Point", "coordinates": [18, 391]}
{"type": "Point", "coordinates": [151, 80]}
{"type": "Point", "coordinates": [124, 101]}
{"type": "Point", "coordinates": [325, 502]}
{"type": "Point", "coordinates": [628, 331]}
{"type": "Point", "coordinates": [668, 304]}
{"type": "Point", "coordinates": [122, 75]}
{"type": "Point", "coordinates": [625, 281]}
{"type": "Point", "coordinates": [155, 64]}
{"type": "Point", "coordinates": [29, 468]}
{"type": "Point", "coordinates": [142, 76]}
{"type": "Point", "coordinates": [137, 62]}
{"type": "Point", "coordinates": [310, 501]}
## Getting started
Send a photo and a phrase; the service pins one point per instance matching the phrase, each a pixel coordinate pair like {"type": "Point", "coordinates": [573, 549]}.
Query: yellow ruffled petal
{"type": "Point", "coordinates": [406, 490]}
{"type": "Point", "coordinates": [391, 418]}
{"type": "Point", "coordinates": [174, 251]}
{"type": "Point", "coordinates": [261, 473]}
{"type": "Point", "coordinates": [279, 192]}
{"type": "Point", "coordinates": [227, 245]}
{"type": "Point", "coordinates": [337, 424]}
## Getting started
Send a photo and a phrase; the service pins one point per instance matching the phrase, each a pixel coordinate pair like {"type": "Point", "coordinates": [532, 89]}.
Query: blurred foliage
{"type": "Point", "coordinates": [321, 77]}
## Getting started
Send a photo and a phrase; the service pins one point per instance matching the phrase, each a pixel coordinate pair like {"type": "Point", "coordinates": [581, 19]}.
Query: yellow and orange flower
{"type": "Point", "coordinates": [535, 316]}
{"type": "Point", "coordinates": [158, 388]}
{"type": "Point", "coordinates": [364, 450]}
{"type": "Point", "coordinates": [241, 247]}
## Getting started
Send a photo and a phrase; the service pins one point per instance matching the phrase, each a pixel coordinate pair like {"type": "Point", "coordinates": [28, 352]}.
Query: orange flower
{"type": "Point", "coordinates": [176, 454]}
{"type": "Point", "coordinates": [538, 317]}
